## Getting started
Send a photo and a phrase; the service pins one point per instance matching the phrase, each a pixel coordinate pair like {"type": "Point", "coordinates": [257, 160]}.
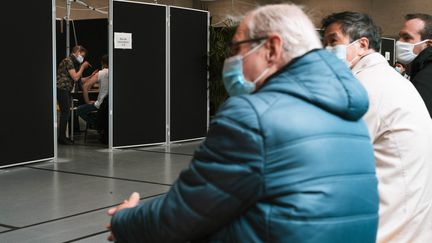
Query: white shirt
{"type": "Point", "coordinates": [103, 86]}
{"type": "Point", "coordinates": [401, 131]}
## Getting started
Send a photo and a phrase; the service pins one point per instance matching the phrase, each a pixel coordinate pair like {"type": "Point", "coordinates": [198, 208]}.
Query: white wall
{"type": "Point", "coordinates": [390, 14]}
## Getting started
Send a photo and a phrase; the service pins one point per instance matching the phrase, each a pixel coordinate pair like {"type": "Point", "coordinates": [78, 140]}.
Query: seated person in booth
{"type": "Point", "coordinates": [85, 110]}
{"type": "Point", "coordinates": [287, 158]}
{"type": "Point", "coordinates": [399, 126]}
{"type": "Point", "coordinates": [69, 71]}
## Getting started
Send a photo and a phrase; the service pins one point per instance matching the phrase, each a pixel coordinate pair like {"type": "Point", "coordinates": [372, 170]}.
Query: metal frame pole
{"type": "Point", "coordinates": [89, 7]}
{"type": "Point", "coordinates": [110, 71]}
{"type": "Point", "coordinates": [208, 73]}
{"type": "Point", "coordinates": [68, 13]}
{"type": "Point", "coordinates": [54, 77]}
{"type": "Point", "coordinates": [168, 78]}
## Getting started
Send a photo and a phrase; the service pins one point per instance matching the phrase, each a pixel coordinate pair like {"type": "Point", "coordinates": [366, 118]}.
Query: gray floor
{"type": "Point", "coordinates": [67, 201]}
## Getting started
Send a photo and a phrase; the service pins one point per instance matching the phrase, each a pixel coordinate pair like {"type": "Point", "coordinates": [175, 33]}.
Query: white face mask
{"type": "Point", "coordinates": [341, 52]}
{"type": "Point", "coordinates": [405, 51]}
{"type": "Point", "coordinates": [80, 58]}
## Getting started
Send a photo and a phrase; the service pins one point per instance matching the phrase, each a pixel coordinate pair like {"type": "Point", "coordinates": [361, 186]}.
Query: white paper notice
{"type": "Point", "coordinates": [122, 40]}
{"type": "Point", "coordinates": [387, 56]}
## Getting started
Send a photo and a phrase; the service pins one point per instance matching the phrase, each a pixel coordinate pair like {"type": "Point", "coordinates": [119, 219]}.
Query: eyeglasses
{"type": "Point", "coordinates": [235, 46]}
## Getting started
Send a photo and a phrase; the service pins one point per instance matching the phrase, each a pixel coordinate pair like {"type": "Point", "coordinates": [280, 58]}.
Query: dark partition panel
{"type": "Point", "coordinates": [139, 75]}
{"type": "Point", "coordinates": [388, 49]}
{"type": "Point", "coordinates": [26, 123]}
{"type": "Point", "coordinates": [188, 71]}
{"type": "Point", "coordinates": [61, 40]}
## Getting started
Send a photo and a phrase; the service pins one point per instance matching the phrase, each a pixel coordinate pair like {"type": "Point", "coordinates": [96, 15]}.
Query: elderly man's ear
{"type": "Point", "coordinates": [275, 48]}
{"type": "Point", "coordinates": [364, 44]}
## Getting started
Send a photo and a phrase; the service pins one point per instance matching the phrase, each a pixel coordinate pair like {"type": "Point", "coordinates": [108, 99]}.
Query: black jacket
{"type": "Point", "coordinates": [421, 76]}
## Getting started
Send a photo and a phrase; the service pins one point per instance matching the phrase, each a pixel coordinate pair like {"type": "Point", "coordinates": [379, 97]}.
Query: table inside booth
{"type": "Point", "coordinates": [79, 98]}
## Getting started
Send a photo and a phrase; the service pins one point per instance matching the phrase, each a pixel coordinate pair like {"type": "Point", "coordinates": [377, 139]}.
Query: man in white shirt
{"type": "Point", "coordinates": [399, 126]}
{"type": "Point", "coordinates": [85, 110]}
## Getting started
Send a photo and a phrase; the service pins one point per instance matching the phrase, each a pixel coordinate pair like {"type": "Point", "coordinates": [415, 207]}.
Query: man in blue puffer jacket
{"type": "Point", "coordinates": [287, 158]}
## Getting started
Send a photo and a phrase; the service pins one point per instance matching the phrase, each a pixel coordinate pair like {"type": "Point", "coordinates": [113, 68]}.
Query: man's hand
{"type": "Point", "coordinates": [85, 64]}
{"type": "Point", "coordinates": [91, 102]}
{"type": "Point", "coordinates": [133, 201]}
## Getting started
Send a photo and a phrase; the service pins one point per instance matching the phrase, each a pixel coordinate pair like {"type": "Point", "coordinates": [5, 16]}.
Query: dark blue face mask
{"type": "Point", "coordinates": [234, 80]}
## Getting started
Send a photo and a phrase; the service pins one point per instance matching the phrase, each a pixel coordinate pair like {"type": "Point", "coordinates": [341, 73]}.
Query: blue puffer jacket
{"type": "Point", "coordinates": [290, 163]}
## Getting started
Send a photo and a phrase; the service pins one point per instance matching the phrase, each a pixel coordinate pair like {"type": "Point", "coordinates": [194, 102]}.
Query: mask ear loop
{"type": "Point", "coordinates": [250, 52]}
{"type": "Point", "coordinates": [421, 42]}
{"type": "Point", "coordinates": [352, 43]}
{"type": "Point", "coordinates": [265, 70]}
{"type": "Point", "coordinates": [261, 75]}
{"type": "Point", "coordinates": [254, 49]}
{"type": "Point", "coordinates": [350, 63]}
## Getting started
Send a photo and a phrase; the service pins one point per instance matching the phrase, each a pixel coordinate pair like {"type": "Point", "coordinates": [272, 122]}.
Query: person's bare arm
{"type": "Point", "coordinates": [87, 86]}
{"type": "Point", "coordinates": [85, 79]}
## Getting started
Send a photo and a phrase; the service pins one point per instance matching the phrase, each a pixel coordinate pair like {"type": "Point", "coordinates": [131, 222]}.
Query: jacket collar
{"type": "Point", "coordinates": [368, 61]}
{"type": "Point", "coordinates": [423, 59]}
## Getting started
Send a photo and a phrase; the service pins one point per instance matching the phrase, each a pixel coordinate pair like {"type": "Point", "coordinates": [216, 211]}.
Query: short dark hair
{"type": "Point", "coordinates": [104, 60]}
{"type": "Point", "coordinates": [356, 25]}
{"type": "Point", "coordinates": [427, 19]}
{"type": "Point", "coordinates": [79, 48]}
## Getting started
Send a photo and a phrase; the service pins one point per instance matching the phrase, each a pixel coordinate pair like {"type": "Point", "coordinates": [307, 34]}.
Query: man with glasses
{"type": "Point", "coordinates": [287, 157]}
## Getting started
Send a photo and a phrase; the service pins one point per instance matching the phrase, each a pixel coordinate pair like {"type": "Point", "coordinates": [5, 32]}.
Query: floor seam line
{"type": "Point", "coordinates": [159, 152]}
{"type": "Point", "coordinates": [8, 226]}
{"type": "Point", "coordinates": [73, 215]}
{"type": "Point", "coordinates": [86, 236]}
{"type": "Point", "coordinates": [100, 176]}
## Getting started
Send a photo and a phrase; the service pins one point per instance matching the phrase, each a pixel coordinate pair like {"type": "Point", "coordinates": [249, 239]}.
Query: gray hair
{"type": "Point", "coordinates": [297, 31]}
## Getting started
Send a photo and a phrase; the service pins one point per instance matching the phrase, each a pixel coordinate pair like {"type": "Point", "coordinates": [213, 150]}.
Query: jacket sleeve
{"type": "Point", "coordinates": [223, 179]}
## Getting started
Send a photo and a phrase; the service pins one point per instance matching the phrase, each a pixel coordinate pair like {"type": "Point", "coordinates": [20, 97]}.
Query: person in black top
{"type": "Point", "coordinates": [414, 48]}
{"type": "Point", "coordinates": [69, 71]}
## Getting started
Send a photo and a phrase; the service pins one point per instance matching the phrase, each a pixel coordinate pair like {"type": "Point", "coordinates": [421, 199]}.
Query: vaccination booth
{"type": "Point", "coordinates": [158, 70]}
{"type": "Point", "coordinates": [93, 35]}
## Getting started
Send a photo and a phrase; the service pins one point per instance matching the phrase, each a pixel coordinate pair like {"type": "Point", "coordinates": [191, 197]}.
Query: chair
{"type": "Point", "coordinates": [73, 120]}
